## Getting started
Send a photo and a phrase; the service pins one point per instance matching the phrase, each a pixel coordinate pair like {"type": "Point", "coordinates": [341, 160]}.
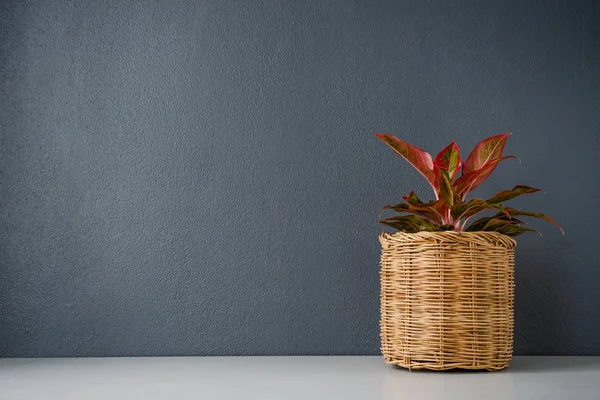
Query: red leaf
{"type": "Point", "coordinates": [486, 151]}
{"type": "Point", "coordinates": [449, 160]}
{"type": "Point", "coordinates": [418, 158]}
{"type": "Point", "coordinates": [472, 180]}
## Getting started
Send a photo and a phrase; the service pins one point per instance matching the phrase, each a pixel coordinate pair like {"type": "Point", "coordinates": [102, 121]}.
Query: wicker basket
{"type": "Point", "coordinates": [447, 300]}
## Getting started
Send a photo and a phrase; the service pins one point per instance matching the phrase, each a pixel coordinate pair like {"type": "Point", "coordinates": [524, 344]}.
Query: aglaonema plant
{"type": "Point", "coordinates": [451, 180]}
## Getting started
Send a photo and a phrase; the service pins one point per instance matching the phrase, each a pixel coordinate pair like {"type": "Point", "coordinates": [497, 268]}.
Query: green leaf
{"type": "Point", "coordinates": [446, 190]}
{"type": "Point", "coordinates": [515, 230]}
{"type": "Point", "coordinates": [410, 224]}
{"type": "Point", "coordinates": [506, 227]}
{"type": "Point", "coordinates": [514, 212]}
{"type": "Point", "coordinates": [493, 224]}
{"type": "Point", "coordinates": [447, 227]}
{"type": "Point", "coordinates": [434, 208]}
{"type": "Point", "coordinates": [475, 206]}
{"type": "Point", "coordinates": [400, 207]}
{"type": "Point", "coordinates": [517, 191]}
{"type": "Point", "coordinates": [487, 150]}
{"type": "Point", "coordinates": [413, 199]}
{"type": "Point", "coordinates": [458, 208]}
{"type": "Point", "coordinates": [479, 224]}
{"type": "Point", "coordinates": [511, 218]}
{"type": "Point", "coordinates": [425, 211]}
{"type": "Point", "coordinates": [449, 160]}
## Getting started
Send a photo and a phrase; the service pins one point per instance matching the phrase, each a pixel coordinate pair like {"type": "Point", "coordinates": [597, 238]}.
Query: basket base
{"type": "Point", "coordinates": [410, 364]}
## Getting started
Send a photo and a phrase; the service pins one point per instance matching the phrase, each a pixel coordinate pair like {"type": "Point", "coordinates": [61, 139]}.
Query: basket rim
{"type": "Point", "coordinates": [452, 236]}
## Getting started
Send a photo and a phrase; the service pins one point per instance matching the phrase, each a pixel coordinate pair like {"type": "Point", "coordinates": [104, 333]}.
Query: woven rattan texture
{"type": "Point", "coordinates": [447, 300]}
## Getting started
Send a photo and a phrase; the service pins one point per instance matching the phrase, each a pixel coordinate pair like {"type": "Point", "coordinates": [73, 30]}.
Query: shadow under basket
{"type": "Point", "coordinates": [447, 300]}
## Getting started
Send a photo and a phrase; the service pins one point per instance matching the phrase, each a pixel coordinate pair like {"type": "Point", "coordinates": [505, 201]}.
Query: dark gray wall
{"type": "Point", "coordinates": [200, 178]}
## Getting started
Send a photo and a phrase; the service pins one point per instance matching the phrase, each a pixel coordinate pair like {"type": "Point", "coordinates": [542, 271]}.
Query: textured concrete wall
{"type": "Point", "coordinates": [199, 178]}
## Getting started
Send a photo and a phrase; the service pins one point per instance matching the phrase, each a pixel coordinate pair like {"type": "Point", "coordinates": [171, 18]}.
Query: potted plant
{"type": "Point", "coordinates": [447, 277]}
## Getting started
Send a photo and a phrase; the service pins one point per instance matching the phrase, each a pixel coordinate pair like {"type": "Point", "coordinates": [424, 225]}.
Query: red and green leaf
{"type": "Point", "coordinates": [472, 180]}
{"type": "Point", "coordinates": [410, 224]}
{"type": "Point", "coordinates": [418, 158]}
{"type": "Point", "coordinates": [493, 224]}
{"type": "Point", "coordinates": [513, 212]}
{"type": "Point", "coordinates": [425, 211]}
{"type": "Point", "coordinates": [517, 191]}
{"type": "Point", "coordinates": [449, 160]}
{"type": "Point", "coordinates": [433, 208]}
{"type": "Point", "coordinates": [475, 206]}
{"type": "Point", "coordinates": [487, 150]}
{"type": "Point", "coordinates": [449, 210]}
{"type": "Point", "coordinates": [515, 230]}
{"type": "Point", "coordinates": [479, 224]}
{"type": "Point", "coordinates": [413, 199]}
{"type": "Point", "coordinates": [446, 190]}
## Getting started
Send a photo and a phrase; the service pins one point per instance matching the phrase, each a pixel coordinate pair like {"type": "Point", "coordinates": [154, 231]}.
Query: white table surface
{"type": "Point", "coordinates": [306, 378]}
